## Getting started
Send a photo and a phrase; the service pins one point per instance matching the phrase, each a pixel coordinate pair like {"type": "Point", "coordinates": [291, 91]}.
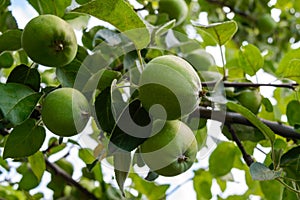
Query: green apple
{"type": "Point", "coordinates": [169, 87]}
{"type": "Point", "coordinates": [172, 148]}
{"type": "Point", "coordinates": [200, 59]}
{"type": "Point", "coordinates": [49, 40]}
{"type": "Point", "coordinates": [65, 111]}
{"type": "Point", "coordinates": [251, 99]}
{"type": "Point", "coordinates": [266, 24]}
{"type": "Point", "coordinates": [176, 9]}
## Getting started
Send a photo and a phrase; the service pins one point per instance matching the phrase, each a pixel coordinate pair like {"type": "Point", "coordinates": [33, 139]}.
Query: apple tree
{"type": "Point", "coordinates": [148, 89]}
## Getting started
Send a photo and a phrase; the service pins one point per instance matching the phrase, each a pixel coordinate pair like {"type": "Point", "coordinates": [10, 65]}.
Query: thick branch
{"type": "Point", "coordinates": [69, 180]}
{"type": "Point", "coordinates": [235, 118]}
{"type": "Point", "coordinates": [255, 85]}
{"type": "Point", "coordinates": [248, 159]}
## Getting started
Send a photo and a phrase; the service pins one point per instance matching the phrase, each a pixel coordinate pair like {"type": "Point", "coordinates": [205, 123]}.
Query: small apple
{"type": "Point", "coordinates": [200, 59]}
{"type": "Point", "coordinates": [169, 87]}
{"type": "Point", "coordinates": [251, 99]}
{"type": "Point", "coordinates": [49, 40]}
{"type": "Point", "coordinates": [65, 111]}
{"type": "Point", "coordinates": [172, 148]}
{"type": "Point", "coordinates": [176, 9]}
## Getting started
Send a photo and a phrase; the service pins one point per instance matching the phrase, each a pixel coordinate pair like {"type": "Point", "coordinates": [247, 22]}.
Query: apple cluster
{"type": "Point", "coordinates": [168, 96]}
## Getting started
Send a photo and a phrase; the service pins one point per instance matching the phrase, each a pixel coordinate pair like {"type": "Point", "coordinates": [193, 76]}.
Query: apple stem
{"type": "Point", "coordinates": [182, 158]}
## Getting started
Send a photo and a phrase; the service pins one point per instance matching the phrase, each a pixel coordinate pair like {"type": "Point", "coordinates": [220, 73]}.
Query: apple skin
{"type": "Point", "coordinates": [49, 40]}
{"type": "Point", "coordinates": [172, 148]}
{"type": "Point", "coordinates": [200, 60]}
{"type": "Point", "coordinates": [251, 99]}
{"type": "Point", "coordinates": [266, 23]}
{"type": "Point", "coordinates": [65, 112]}
{"type": "Point", "coordinates": [169, 87]}
{"type": "Point", "coordinates": [176, 9]}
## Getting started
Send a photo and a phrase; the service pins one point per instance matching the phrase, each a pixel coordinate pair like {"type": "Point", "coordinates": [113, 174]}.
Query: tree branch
{"type": "Point", "coordinates": [69, 180]}
{"type": "Point", "coordinates": [235, 118]}
{"type": "Point", "coordinates": [255, 85]}
{"type": "Point", "coordinates": [248, 159]}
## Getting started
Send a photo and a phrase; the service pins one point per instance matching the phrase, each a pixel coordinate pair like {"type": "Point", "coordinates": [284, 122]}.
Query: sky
{"type": "Point", "coordinates": [23, 13]}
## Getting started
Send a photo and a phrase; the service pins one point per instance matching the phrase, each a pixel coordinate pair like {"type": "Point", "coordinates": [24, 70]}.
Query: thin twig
{"type": "Point", "coordinates": [69, 180]}
{"type": "Point", "coordinates": [248, 159]}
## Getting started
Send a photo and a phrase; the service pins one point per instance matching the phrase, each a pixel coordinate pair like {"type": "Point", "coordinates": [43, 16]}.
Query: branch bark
{"type": "Point", "coordinates": [235, 118]}
{"type": "Point", "coordinates": [247, 158]}
{"type": "Point", "coordinates": [69, 180]}
{"type": "Point", "coordinates": [254, 85]}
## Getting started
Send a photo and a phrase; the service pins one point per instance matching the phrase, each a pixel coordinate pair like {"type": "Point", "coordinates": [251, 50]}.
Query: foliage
{"type": "Point", "coordinates": [253, 37]}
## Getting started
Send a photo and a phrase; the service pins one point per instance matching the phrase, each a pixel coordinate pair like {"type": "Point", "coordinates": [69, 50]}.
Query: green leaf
{"type": "Point", "coordinates": [268, 105]}
{"type": "Point", "coordinates": [293, 112]}
{"type": "Point", "coordinates": [286, 60]}
{"type": "Point", "coordinates": [268, 133]}
{"type": "Point", "coordinates": [104, 113]}
{"type": "Point", "coordinates": [272, 190]}
{"type": "Point", "coordinates": [64, 164]}
{"type": "Point", "coordinates": [106, 78]}
{"type": "Point", "coordinates": [202, 184]}
{"type": "Point", "coordinates": [25, 75]}
{"type": "Point", "coordinates": [260, 172]}
{"type": "Point", "coordinates": [132, 129]}
{"type": "Point", "coordinates": [250, 59]}
{"type": "Point", "coordinates": [7, 20]}
{"type": "Point", "coordinates": [292, 71]}
{"type": "Point", "coordinates": [6, 60]}
{"type": "Point", "coordinates": [162, 30]}
{"type": "Point", "coordinates": [38, 165]}
{"type": "Point", "coordinates": [10, 40]}
{"type": "Point", "coordinates": [18, 102]}
{"type": "Point", "coordinates": [244, 133]}
{"type": "Point", "coordinates": [290, 163]}
{"type": "Point", "coordinates": [228, 151]}
{"type": "Point", "coordinates": [55, 7]}
{"type": "Point", "coordinates": [57, 184]}
{"type": "Point", "coordinates": [220, 32]}
{"type": "Point", "coordinates": [88, 37]}
{"type": "Point", "coordinates": [151, 176]}
{"type": "Point", "coordinates": [25, 140]}
{"type": "Point", "coordinates": [28, 181]}
{"type": "Point", "coordinates": [67, 74]}
{"type": "Point", "coordinates": [150, 189]}
{"type": "Point", "coordinates": [78, 21]}
{"type": "Point", "coordinates": [86, 155]}
{"type": "Point", "coordinates": [83, 1]}
{"type": "Point", "coordinates": [120, 14]}
{"type": "Point", "coordinates": [288, 194]}
{"type": "Point", "coordinates": [122, 163]}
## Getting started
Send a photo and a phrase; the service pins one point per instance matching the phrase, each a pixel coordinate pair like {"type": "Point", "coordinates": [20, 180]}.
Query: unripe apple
{"type": "Point", "coordinates": [65, 111]}
{"type": "Point", "coordinates": [49, 40]}
{"type": "Point", "coordinates": [172, 148]}
{"type": "Point", "coordinates": [251, 99]}
{"type": "Point", "coordinates": [176, 9]}
{"type": "Point", "coordinates": [169, 87]}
